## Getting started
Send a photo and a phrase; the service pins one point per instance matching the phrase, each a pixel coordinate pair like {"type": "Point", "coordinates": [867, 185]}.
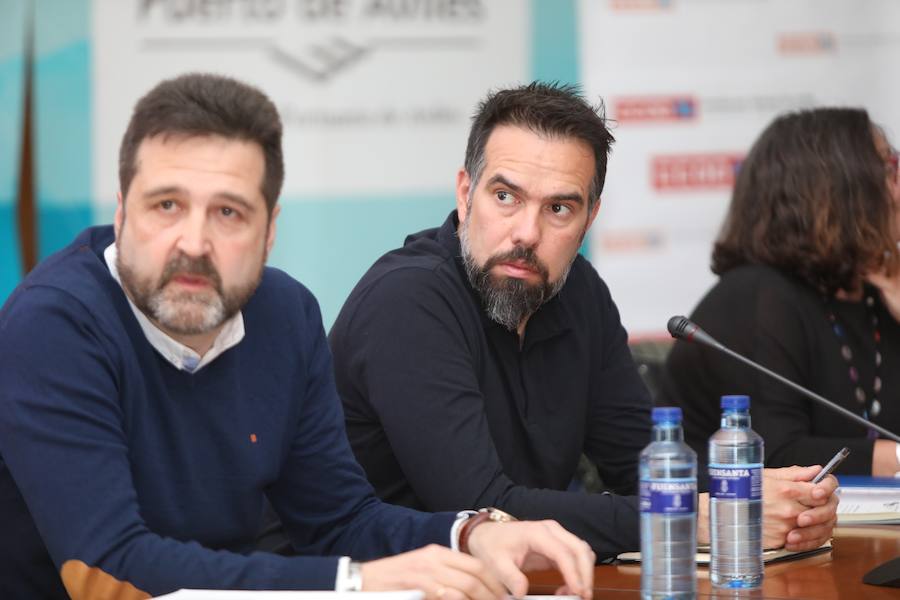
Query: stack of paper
{"type": "Point", "coordinates": [281, 595]}
{"type": "Point", "coordinates": [775, 555]}
{"type": "Point", "coordinates": [869, 501]}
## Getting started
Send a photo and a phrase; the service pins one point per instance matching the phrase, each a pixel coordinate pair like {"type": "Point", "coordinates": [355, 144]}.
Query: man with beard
{"type": "Point", "coordinates": [479, 361]}
{"type": "Point", "coordinates": [157, 382]}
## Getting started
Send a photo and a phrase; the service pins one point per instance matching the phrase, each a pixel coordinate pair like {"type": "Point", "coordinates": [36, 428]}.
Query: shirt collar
{"type": "Point", "coordinates": [181, 357]}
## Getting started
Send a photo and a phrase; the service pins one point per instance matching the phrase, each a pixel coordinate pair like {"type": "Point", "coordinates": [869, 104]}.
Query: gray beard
{"type": "Point", "coordinates": [185, 313]}
{"type": "Point", "coordinates": [508, 301]}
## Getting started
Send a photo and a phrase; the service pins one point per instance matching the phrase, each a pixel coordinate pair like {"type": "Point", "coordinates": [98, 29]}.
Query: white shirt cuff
{"type": "Point", "coordinates": [461, 518]}
{"type": "Point", "coordinates": [343, 582]}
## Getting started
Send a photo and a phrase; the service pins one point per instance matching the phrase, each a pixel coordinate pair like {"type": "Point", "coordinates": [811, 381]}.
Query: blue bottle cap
{"type": "Point", "coordinates": [666, 414]}
{"type": "Point", "coordinates": [735, 402]}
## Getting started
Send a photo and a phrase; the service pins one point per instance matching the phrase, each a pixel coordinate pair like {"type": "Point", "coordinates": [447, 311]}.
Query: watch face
{"type": "Point", "coordinates": [499, 516]}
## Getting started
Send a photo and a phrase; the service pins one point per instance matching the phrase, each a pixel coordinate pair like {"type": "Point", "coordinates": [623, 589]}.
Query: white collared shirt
{"type": "Point", "coordinates": [175, 352]}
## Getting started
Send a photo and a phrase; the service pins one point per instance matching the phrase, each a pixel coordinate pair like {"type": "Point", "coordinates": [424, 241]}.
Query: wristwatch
{"type": "Point", "coordinates": [482, 516]}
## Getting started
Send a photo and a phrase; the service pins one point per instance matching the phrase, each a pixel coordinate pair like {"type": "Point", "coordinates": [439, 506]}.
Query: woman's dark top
{"type": "Point", "coordinates": [782, 323]}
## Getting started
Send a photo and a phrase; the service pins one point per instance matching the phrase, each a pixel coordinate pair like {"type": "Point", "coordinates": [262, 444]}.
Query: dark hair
{"type": "Point", "coordinates": [811, 200]}
{"type": "Point", "coordinates": [550, 109]}
{"type": "Point", "coordinates": [202, 104]}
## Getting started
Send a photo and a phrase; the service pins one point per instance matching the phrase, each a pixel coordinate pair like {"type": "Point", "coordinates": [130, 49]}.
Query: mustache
{"type": "Point", "coordinates": [518, 254]}
{"type": "Point", "coordinates": [186, 265]}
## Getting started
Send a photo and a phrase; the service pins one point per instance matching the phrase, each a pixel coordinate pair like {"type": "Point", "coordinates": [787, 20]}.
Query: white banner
{"type": "Point", "coordinates": [691, 84]}
{"type": "Point", "coordinates": [375, 95]}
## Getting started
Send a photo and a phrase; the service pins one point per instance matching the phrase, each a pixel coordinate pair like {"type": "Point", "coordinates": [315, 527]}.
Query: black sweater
{"type": "Point", "coordinates": [445, 411]}
{"type": "Point", "coordinates": [782, 324]}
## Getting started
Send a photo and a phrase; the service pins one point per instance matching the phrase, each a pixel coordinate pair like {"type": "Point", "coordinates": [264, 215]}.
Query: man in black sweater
{"type": "Point", "coordinates": [480, 360]}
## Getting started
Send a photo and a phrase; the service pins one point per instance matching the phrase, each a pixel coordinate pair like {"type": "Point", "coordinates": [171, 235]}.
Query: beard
{"type": "Point", "coordinates": [186, 312]}
{"type": "Point", "coordinates": [507, 300]}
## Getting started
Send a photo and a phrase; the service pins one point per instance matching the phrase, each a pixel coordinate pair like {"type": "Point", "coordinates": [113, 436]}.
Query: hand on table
{"type": "Point", "coordinates": [501, 553]}
{"type": "Point", "coordinates": [439, 572]}
{"type": "Point", "coordinates": [509, 549]}
{"type": "Point", "coordinates": [797, 514]}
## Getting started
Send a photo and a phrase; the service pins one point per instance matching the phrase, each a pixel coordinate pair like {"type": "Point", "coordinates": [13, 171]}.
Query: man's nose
{"type": "Point", "coordinates": [194, 236]}
{"type": "Point", "coordinates": [526, 230]}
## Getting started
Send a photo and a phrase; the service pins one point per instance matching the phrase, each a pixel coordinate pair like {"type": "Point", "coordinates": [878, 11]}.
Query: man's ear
{"type": "Point", "coordinates": [463, 189]}
{"type": "Point", "coordinates": [593, 215]}
{"type": "Point", "coordinates": [270, 236]}
{"type": "Point", "coordinates": [120, 214]}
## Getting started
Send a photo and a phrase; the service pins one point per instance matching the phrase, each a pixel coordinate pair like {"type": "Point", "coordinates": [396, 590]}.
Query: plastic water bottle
{"type": "Point", "coordinates": [668, 474]}
{"type": "Point", "coordinates": [735, 492]}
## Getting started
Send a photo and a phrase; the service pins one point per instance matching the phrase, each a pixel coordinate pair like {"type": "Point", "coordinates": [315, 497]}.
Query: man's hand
{"type": "Point", "coordinates": [509, 549]}
{"type": "Point", "coordinates": [884, 459]}
{"type": "Point", "coordinates": [439, 572]}
{"type": "Point", "coordinates": [797, 514]}
{"type": "Point", "coordinates": [500, 554]}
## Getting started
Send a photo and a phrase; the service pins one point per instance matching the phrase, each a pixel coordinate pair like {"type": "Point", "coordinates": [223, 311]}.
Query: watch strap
{"type": "Point", "coordinates": [484, 515]}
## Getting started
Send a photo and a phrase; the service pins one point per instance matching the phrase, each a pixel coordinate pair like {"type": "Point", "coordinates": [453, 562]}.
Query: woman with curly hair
{"type": "Point", "coordinates": [809, 287]}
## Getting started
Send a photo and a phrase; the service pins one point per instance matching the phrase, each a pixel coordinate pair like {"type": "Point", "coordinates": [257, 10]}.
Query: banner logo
{"type": "Point", "coordinates": [632, 241]}
{"type": "Point", "coordinates": [813, 42]}
{"type": "Point", "coordinates": [655, 108]}
{"type": "Point", "coordinates": [694, 171]}
{"type": "Point", "coordinates": [641, 4]}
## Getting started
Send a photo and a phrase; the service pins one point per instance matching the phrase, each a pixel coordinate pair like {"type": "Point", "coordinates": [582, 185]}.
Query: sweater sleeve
{"type": "Point", "coordinates": [322, 494]}
{"type": "Point", "coordinates": [63, 440]}
{"type": "Point", "coordinates": [619, 404]}
{"type": "Point", "coordinates": [409, 356]}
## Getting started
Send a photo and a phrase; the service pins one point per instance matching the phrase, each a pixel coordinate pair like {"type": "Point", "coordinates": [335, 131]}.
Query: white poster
{"type": "Point", "coordinates": [375, 95]}
{"type": "Point", "coordinates": [690, 84]}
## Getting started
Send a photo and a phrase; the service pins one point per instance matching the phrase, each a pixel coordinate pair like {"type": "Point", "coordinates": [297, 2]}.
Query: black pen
{"type": "Point", "coordinates": [832, 464]}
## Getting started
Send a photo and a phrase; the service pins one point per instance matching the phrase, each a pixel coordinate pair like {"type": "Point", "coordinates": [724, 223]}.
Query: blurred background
{"type": "Point", "coordinates": [376, 97]}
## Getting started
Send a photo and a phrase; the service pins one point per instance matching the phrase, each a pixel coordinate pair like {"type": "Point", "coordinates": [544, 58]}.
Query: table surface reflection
{"type": "Point", "coordinates": [837, 574]}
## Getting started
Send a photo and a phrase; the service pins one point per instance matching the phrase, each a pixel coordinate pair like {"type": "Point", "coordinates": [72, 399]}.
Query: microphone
{"type": "Point", "coordinates": [683, 328]}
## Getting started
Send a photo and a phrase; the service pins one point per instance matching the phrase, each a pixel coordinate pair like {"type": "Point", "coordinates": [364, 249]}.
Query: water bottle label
{"type": "Point", "coordinates": [665, 496]}
{"type": "Point", "coordinates": [735, 482]}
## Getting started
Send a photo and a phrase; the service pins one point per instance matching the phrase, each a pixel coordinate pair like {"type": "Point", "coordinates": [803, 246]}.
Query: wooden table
{"type": "Point", "coordinates": [834, 575]}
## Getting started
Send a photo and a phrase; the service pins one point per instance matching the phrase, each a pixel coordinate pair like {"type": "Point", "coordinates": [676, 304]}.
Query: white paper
{"type": "Point", "coordinates": [289, 595]}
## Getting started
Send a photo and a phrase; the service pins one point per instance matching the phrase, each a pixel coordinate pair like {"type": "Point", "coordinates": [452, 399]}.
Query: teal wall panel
{"type": "Point", "coordinates": [329, 244]}
{"type": "Point", "coordinates": [12, 70]}
{"type": "Point", "coordinates": [554, 49]}
{"type": "Point", "coordinates": [62, 120]}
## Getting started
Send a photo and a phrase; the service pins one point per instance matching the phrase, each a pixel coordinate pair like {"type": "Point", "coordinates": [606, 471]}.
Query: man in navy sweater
{"type": "Point", "coordinates": [157, 382]}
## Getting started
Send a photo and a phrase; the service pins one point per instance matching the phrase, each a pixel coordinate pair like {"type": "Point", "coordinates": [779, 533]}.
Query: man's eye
{"type": "Point", "coordinates": [227, 212]}
{"type": "Point", "coordinates": [504, 197]}
{"type": "Point", "coordinates": [560, 209]}
{"type": "Point", "coordinates": [167, 205]}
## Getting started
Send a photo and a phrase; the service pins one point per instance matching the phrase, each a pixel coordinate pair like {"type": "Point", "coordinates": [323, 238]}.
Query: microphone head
{"type": "Point", "coordinates": [678, 327]}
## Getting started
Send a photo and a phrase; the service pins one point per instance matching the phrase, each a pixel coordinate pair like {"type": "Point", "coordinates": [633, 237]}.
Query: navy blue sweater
{"type": "Point", "coordinates": [115, 464]}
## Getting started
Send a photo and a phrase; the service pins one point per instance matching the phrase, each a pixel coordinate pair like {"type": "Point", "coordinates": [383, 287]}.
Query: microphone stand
{"type": "Point", "coordinates": [683, 328]}
{"type": "Point", "coordinates": [886, 574]}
